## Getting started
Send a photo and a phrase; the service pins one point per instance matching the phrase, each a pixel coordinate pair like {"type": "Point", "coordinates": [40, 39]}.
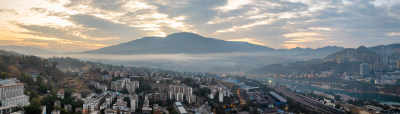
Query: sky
{"type": "Point", "coordinates": [79, 25]}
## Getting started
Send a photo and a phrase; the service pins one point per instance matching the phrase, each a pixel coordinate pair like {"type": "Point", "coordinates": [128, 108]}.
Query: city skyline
{"type": "Point", "coordinates": [86, 25]}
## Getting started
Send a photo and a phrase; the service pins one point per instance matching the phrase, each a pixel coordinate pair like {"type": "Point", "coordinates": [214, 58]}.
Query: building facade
{"type": "Point", "coordinates": [12, 94]}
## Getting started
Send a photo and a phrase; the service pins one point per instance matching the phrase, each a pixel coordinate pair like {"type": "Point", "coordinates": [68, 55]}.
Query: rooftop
{"type": "Point", "coordinates": [178, 104]}
{"type": "Point", "coordinates": [182, 110]}
{"type": "Point", "coordinates": [281, 99]}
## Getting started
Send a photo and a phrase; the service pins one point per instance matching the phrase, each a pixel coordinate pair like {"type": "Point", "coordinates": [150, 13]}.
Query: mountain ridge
{"type": "Point", "coordinates": [346, 60]}
{"type": "Point", "coordinates": [27, 50]}
{"type": "Point", "coordinates": [190, 43]}
{"type": "Point", "coordinates": [179, 43]}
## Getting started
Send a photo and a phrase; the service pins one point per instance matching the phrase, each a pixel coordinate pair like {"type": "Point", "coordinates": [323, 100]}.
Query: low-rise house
{"type": "Point", "coordinates": [61, 93]}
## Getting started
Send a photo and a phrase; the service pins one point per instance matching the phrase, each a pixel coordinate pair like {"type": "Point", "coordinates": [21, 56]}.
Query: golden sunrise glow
{"type": "Point", "coordinates": [250, 40]}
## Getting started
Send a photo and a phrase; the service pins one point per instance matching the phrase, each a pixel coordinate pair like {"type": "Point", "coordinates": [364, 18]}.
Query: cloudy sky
{"type": "Point", "coordinates": [77, 25]}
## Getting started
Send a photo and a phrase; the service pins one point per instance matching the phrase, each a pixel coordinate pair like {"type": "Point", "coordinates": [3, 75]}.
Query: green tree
{"type": "Point", "coordinates": [32, 109]}
{"type": "Point", "coordinates": [42, 89]}
{"type": "Point", "coordinates": [68, 93]}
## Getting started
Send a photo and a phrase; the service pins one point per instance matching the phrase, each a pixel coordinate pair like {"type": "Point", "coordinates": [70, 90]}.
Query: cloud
{"type": "Point", "coordinates": [303, 40]}
{"type": "Point", "coordinates": [247, 26]}
{"type": "Point", "coordinates": [12, 11]}
{"type": "Point", "coordinates": [234, 4]}
{"type": "Point", "coordinates": [249, 40]}
{"type": "Point", "coordinates": [320, 29]}
{"type": "Point", "coordinates": [289, 46]}
{"type": "Point", "coordinates": [10, 39]}
{"type": "Point", "coordinates": [107, 27]}
{"type": "Point", "coordinates": [300, 34]}
{"type": "Point", "coordinates": [67, 33]}
{"type": "Point", "coordinates": [394, 34]}
{"type": "Point", "coordinates": [39, 10]}
{"type": "Point", "coordinates": [274, 23]}
{"type": "Point", "coordinates": [197, 11]}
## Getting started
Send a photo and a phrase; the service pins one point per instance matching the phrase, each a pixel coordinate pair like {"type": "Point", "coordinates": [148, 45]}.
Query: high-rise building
{"type": "Point", "coordinates": [131, 86]}
{"type": "Point", "coordinates": [134, 102]}
{"type": "Point", "coordinates": [91, 103]}
{"type": "Point", "coordinates": [179, 97]}
{"type": "Point", "coordinates": [191, 98]}
{"type": "Point", "coordinates": [398, 64]}
{"type": "Point", "coordinates": [146, 107]}
{"type": "Point", "coordinates": [120, 84]}
{"type": "Point", "coordinates": [181, 89]}
{"type": "Point", "coordinates": [364, 69]}
{"type": "Point", "coordinates": [220, 97]}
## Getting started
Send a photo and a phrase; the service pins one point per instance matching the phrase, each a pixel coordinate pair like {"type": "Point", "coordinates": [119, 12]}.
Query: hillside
{"type": "Point", "coordinates": [4, 52]}
{"type": "Point", "coordinates": [75, 65]}
{"type": "Point", "coordinates": [360, 54]}
{"type": "Point", "coordinates": [391, 51]}
{"type": "Point", "coordinates": [347, 60]}
{"type": "Point", "coordinates": [21, 65]}
{"type": "Point", "coordinates": [27, 50]}
{"type": "Point", "coordinates": [315, 53]}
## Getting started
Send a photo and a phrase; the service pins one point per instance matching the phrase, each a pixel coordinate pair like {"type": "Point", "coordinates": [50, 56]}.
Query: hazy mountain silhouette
{"type": "Point", "coordinates": [352, 55]}
{"type": "Point", "coordinates": [315, 53]}
{"type": "Point", "coordinates": [27, 50]}
{"type": "Point", "coordinates": [180, 43]}
{"type": "Point", "coordinates": [346, 60]}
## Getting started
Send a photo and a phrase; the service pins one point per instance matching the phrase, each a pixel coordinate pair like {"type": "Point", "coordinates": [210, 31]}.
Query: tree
{"type": "Point", "coordinates": [125, 91]}
{"type": "Point", "coordinates": [203, 91]}
{"type": "Point", "coordinates": [143, 88]}
{"type": "Point", "coordinates": [68, 93]}
{"type": "Point", "coordinates": [32, 109]}
{"type": "Point", "coordinates": [42, 89]}
{"type": "Point", "coordinates": [55, 64]}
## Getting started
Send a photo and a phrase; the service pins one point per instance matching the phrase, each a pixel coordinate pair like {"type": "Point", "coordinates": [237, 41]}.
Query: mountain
{"type": "Point", "coordinates": [179, 43]}
{"type": "Point", "coordinates": [27, 50]}
{"type": "Point", "coordinates": [347, 60]}
{"type": "Point", "coordinates": [314, 53]}
{"type": "Point", "coordinates": [383, 47]}
{"type": "Point", "coordinates": [191, 52]}
{"type": "Point", "coordinates": [4, 52]}
{"type": "Point", "coordinates": [391, 51]}
{"type": "Point", "coordinates": [361, 54]}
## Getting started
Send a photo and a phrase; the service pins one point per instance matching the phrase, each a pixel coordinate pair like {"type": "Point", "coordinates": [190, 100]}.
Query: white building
{"type": "Point", "coordinates": [146, 107]}
{"type": "Point", "coordinates": [364, 69]}
{"type": "Point", "coordinates": [61, 93]}
{"type": "Point", "coordinates": [181, 89]}
{"type": "Point", "coordinates": [220, 97]}
{"type": "Point", "coordinates": [21, 100]}
{"type": "Point", "coordinates": [120, 104]}
{"type": "Point", "coordinates": [55, 112]}
{"type": "Point", "coordinates": [171, 95]}
{"type": "Point", "coordinates": [119, 85]}
{"type": "Point", "coordinates": [179, 97]}
{"type": "Point", "coordinates": [12, 94]}
{"type": "Point", "coordinates": [134, 102]}
{"type": "Point", "coordinates": [191, 98]}
{"type": "Point", "coordinates": [91, 104]}
{"type": "Point", "coordinates": [178, 92]}
{"type": "Point", "coordinates": [131, 86]}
